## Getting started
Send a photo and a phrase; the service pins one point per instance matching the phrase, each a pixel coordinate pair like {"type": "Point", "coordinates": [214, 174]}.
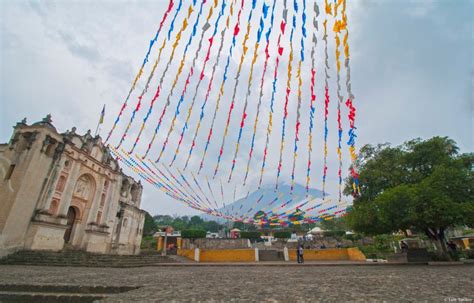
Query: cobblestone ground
{"type": "Point", "coordinates": [267, 284]}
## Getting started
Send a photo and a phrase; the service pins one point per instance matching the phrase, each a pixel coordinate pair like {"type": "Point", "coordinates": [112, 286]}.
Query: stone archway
{"type": "Point", "coordinates": [72, 214]}
{"type": "Point", "coordinates": [82, 198]}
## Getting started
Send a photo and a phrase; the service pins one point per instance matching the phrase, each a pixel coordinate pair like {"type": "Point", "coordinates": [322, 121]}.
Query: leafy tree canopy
{"type": "Point", "coordinates": [185, 222]}
{"type": "Point", "coordinates": [150, 226]}
{"type": "Point", "coordinates": [422, 185]}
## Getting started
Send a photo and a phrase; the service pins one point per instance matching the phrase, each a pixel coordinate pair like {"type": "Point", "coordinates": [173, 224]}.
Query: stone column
{"type": "Point", "coordinates": [51, 186]}
{"type": "Point", "coordinates": [94, 204]}
{"type": "Point", "coordinates": [66, 197]}
{"type": "Point", "coordinates": [196, 254]}
{"type": "Point", "coordinates": [110, 197]}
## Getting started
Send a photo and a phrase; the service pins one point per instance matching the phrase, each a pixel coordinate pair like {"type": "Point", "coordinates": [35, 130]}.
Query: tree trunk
{"type": "Point", "coordinates": [438, 239]}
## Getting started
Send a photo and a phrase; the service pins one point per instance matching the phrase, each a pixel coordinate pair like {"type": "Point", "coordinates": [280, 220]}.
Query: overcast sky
{"type": "Point", "coordinates": [411, 71]}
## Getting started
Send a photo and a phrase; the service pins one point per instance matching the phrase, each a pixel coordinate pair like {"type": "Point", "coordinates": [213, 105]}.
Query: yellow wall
{"type": "Point", "coordinates": [248, 255]}
{"type": "Point", "coordinates": [227, 255]}
{"type": "Point", "coordinates": [355, 254]}
{"type": "Point", "coordinates": [338, 254]}
{"type": "Point", "coordinates": [188, 253]}
{"type": "Point", "coordinates": [159, 243]}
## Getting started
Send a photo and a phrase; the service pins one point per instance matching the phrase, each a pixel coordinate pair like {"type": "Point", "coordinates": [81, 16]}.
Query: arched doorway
{"type": "Point", "coordinates": [71, 218]}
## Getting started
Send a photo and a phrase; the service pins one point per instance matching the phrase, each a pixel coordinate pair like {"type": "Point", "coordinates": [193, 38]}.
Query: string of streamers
{"type": "Point", "coordinates": [208, 202]}
{"type": "Point", "coordinates": [152, 102]}
{"type": "Point", "coordinates": [349, 103]}
{"type": "Point", "coordinates": [158, 91]}
{"type": "Point", "coordinates": [338, 26]}
{"type": "Point", "coordinates": [161, 184]}
{"type": "Point", "coordinates": [203, 106]}
{"type": "Point", "coordinates": [145, 60]}
{"type": "Point", "coordinates": [181, 99]}
{"type": "Point", "coordinates": [287, 95]}
{"type": "Point", "coordinates": [144, 91]}
{"type": "Point", "coordinates": [212, 193]}
{"type": "Point", "coordinates": [190, 109]}
{"type": "Point", "coordinates": [298, 108]}
{"type": "Point", "coordinates": [262, 81]}
{"type": "Point", "coordinates": [199, 194]}
{"type": "Point", "coordinates": [221, 88]}
{"type": "Point", "coordinates": [180, 69]}
{"type": "Point", "coordinates": [249, 83]}
{"type": "Point", "coordinates": [313, 96]}
{"type": "Point", "coordinates": [236, 83]}
{"type": "Point", "coordinates": [189, 190]}
{"type": "Point", "coordinates": [272, 100]}
{"type": "Point", "coordinates": [328, 9]}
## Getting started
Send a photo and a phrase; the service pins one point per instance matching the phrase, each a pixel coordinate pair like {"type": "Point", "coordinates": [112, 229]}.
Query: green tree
{"type": "Point", "coordinates": [334, 224]}
{"type": "Point", "coordinates": [149, 227]}
{"type": "Point", "coordinates": [421, 185]}
{"type": "Point", "coordinates": [195, 221]}
{"type": "Point", "coordinates": [212, 226]}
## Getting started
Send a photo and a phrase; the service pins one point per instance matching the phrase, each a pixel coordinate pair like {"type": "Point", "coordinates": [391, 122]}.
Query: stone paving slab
{"type": "Point", "coordinates": [419, 283]}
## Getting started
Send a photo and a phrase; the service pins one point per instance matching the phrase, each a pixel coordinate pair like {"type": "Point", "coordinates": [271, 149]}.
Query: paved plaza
{"type": "Point", "coordinates": [263, 283]}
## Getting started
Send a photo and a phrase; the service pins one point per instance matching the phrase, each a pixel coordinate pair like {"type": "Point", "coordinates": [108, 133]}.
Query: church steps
{"type": "Point", "coordinates": [57, 293]}
{"type": "Point", "coordinates": [82, 259]}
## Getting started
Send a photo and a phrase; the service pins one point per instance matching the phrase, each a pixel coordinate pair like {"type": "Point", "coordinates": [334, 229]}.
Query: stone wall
{"type": "Point", "coordinates": [338, 254]}
{"type": "Point", "coordinates": [216, 243]}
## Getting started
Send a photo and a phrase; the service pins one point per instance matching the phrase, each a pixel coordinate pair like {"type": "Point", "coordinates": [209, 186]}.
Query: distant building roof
{"type": "Point", "coordinates": [316, 230]}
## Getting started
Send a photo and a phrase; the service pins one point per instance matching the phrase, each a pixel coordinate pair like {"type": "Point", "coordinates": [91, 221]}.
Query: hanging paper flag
{"type": "Point", "coordinates": [212, 193]}
{"type": "Point", "coordinates": [272, 100]}
{"type": "Point", "coordinates": [203, 106]}
{"type": "Point", "coordinates": [287, 96]}
{"type": "Point", "coordinates": [175, 44]}
{"type": "Point", "coordinates": [221, 88]}
{"type": "Point", "coordinates": [237, 77]}
{"type": "Point", "coordinates": [144, 91]}
{"type": "Point", "coordinates": [249, 85]}
{"type": "Point", "coordinates": [145, 60]}
{"type": "Point", "coordinates": [191, 107]}
{"type": "Point", "coordinates": [300, 83]}
{"type": "Point", "coordinates": [313, 96]}
{"type": "Point", "coordinates": [209, 204]}
{"type": "Point", "coordinates": [326, 95]}
{"type": "Point", "coordinates": [350, 106]}
{"type": "Point", "coordinates": [262, 80]}
{"type": "Point", "coordinates": [337, 29]}
{"type": "Point", "coordinates": [131, 163]}
{"type": "Point", "coordinates": [191, 72]}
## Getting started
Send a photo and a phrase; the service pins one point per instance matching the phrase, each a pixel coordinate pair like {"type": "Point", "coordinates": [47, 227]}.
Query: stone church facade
{"type": "Point", "coordinates": [65, 191]}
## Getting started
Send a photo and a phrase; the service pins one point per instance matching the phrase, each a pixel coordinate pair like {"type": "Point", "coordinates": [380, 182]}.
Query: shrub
{"type": "Point", "coordinates": [282, 234]}
{"type": "Point", "coordinates": [353, 237]}
{"type": "Point", "coordinates": [252, 235]}
{"type": "Point", "coordinates": [334, 233]}
{"type": "Point", "coordinates": [193, 234]}
{"type": "Point", "coordinates": [148, 242]}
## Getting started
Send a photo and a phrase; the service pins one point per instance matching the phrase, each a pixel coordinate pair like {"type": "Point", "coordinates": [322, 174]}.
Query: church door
{"type": "Point", "coordinates": [71, 218]}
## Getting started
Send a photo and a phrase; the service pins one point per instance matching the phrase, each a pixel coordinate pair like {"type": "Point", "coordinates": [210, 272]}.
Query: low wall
{"type": "Point", "coordinates": [216, 244]}
{"type": "Point", "coordinates": [220, 255]}
{"type": "Point", "coordinates": [188, 253]}
{"type": "Point", "coordinates": [355, 254]}
{"type": "Point", "coordinates": [227, 255]}
{"type": "Point", "coordinates": [249, 255]}
{"type": "Point", "coordinates": [338, 254]}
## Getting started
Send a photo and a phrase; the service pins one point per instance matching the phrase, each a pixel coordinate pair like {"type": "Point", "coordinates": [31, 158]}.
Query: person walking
{"type": "Point", "coordinates": [299, 253]}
